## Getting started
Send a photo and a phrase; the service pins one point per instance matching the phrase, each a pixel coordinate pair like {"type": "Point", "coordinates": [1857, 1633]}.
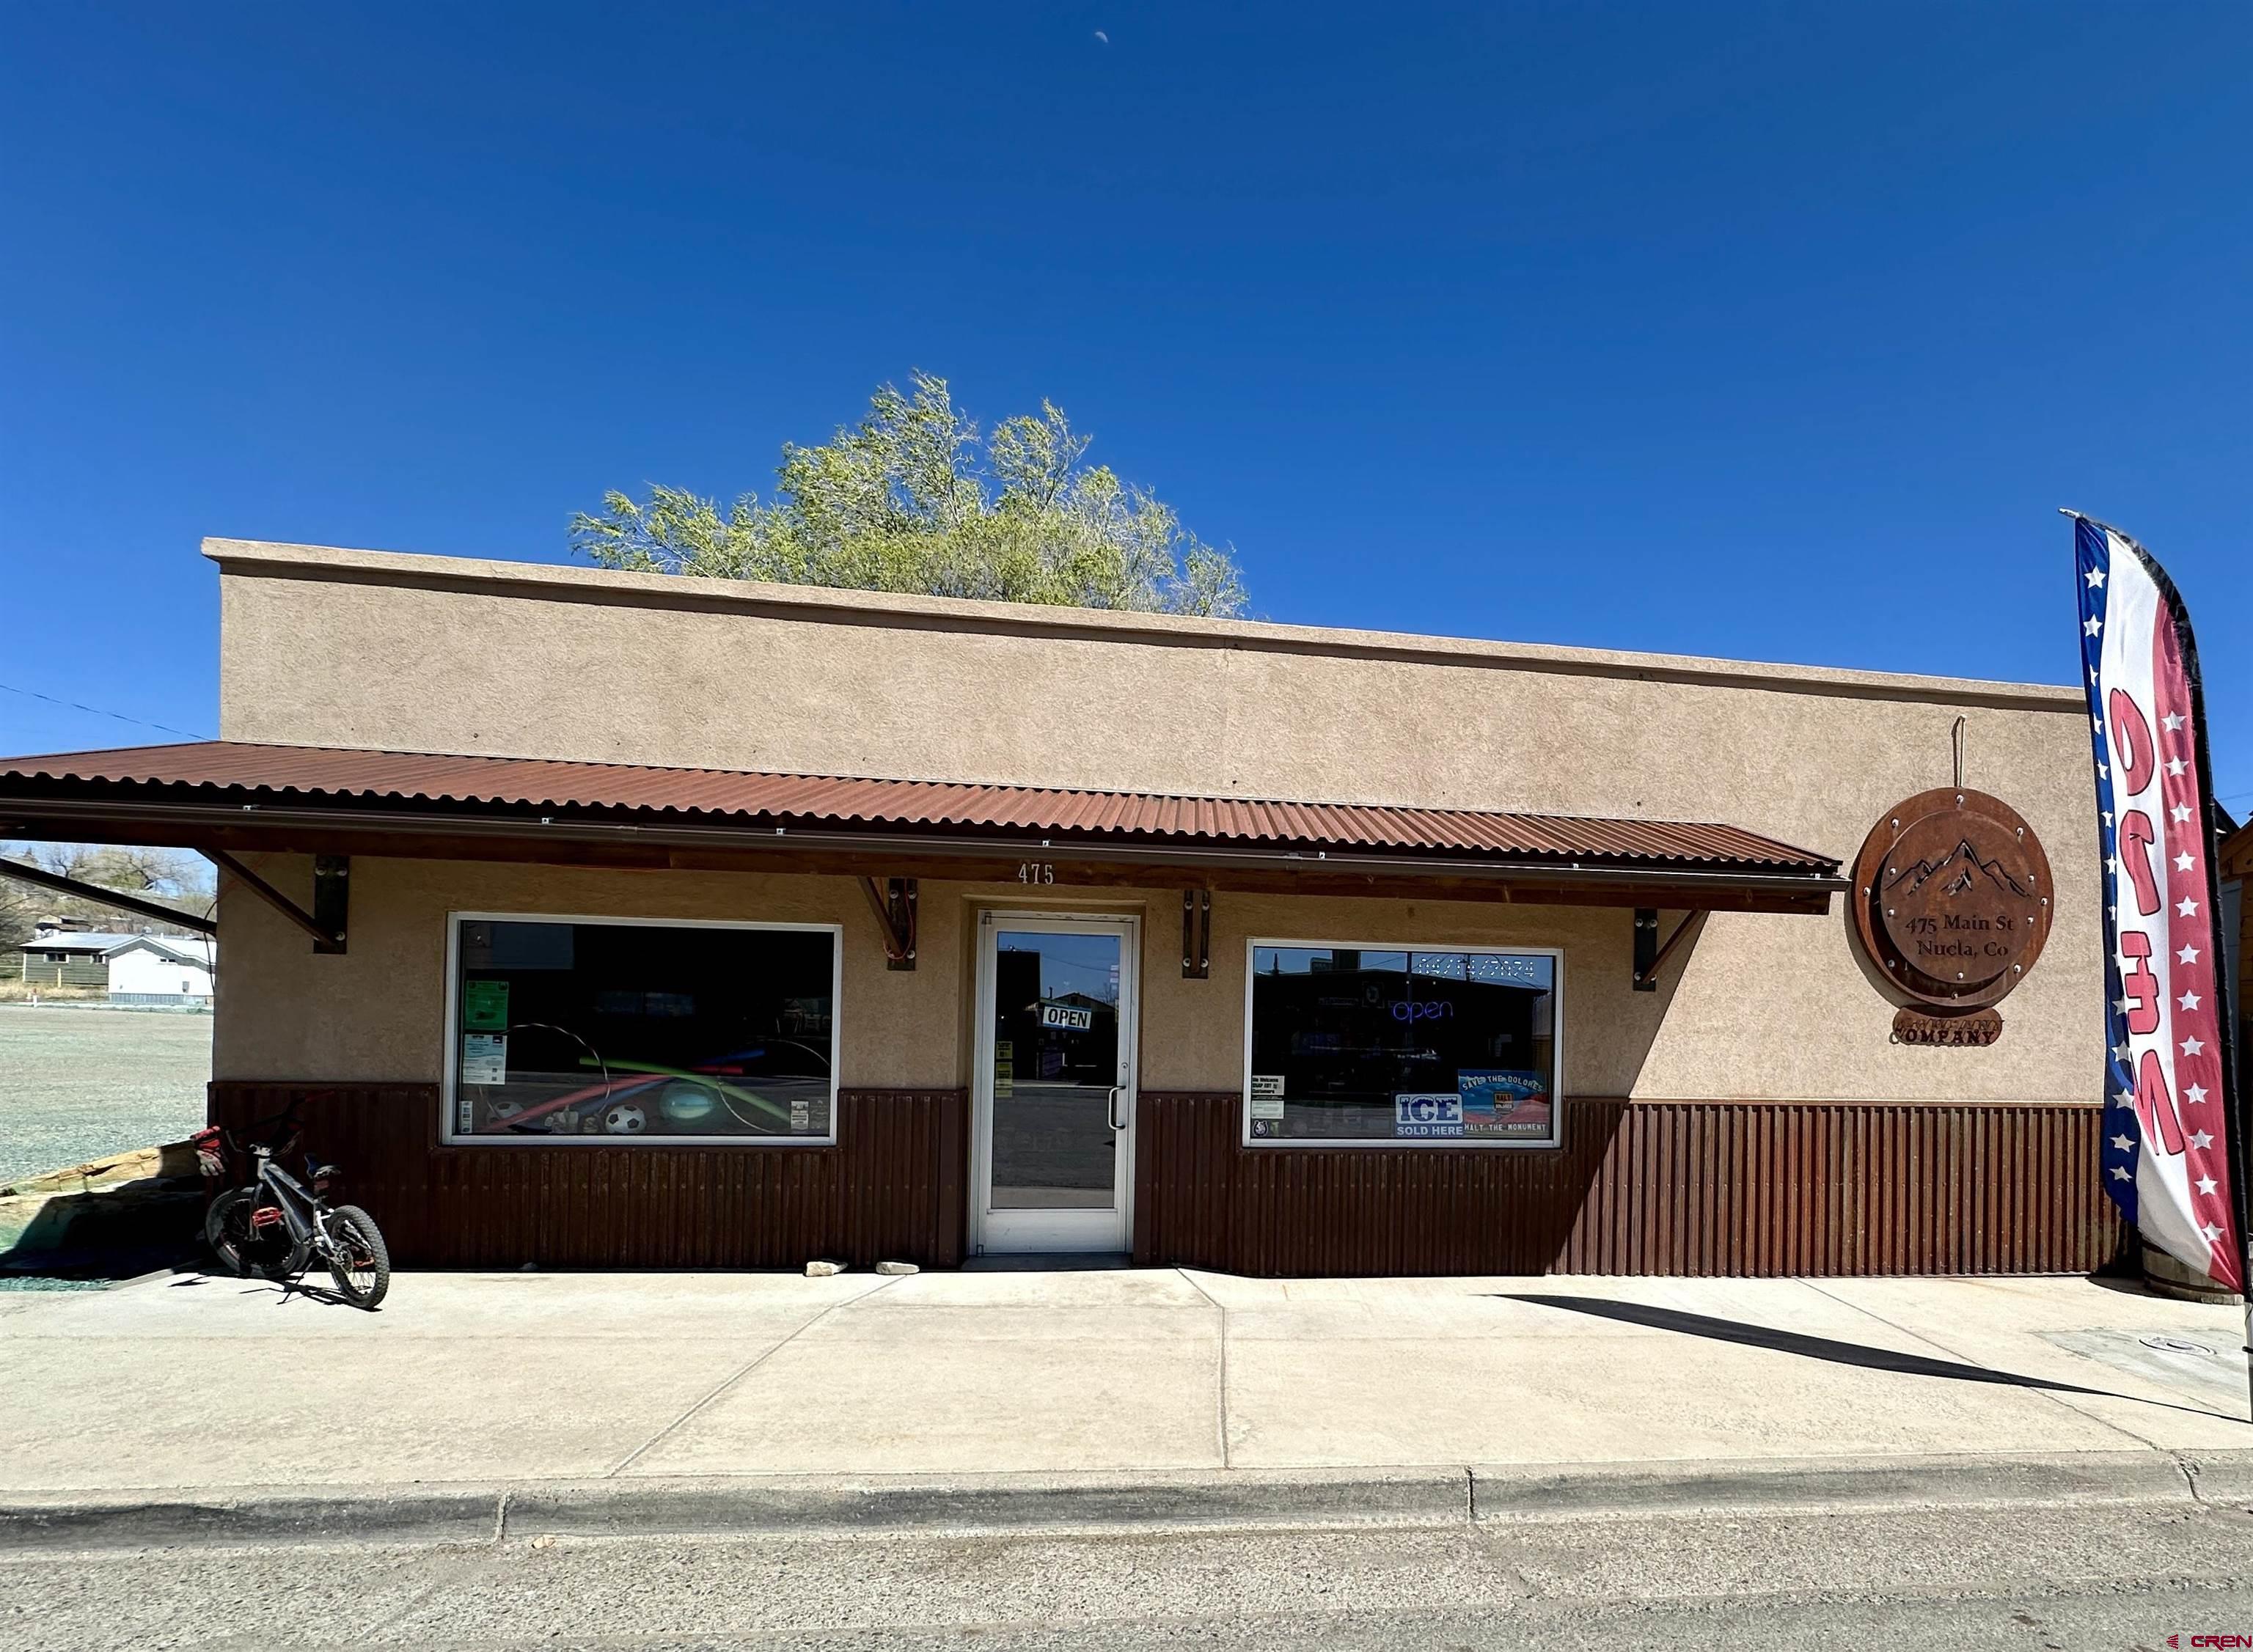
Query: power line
{"type": "Point", "coordinates": [96, 711]}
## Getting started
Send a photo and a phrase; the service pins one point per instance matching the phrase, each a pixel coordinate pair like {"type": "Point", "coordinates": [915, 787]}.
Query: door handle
{"type": "Point", "coordinates": [1117, 1123]}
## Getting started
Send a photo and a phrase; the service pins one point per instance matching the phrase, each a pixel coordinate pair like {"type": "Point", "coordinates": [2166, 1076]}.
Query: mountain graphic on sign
{"type": "Point", "coordinates": [1960, 870]}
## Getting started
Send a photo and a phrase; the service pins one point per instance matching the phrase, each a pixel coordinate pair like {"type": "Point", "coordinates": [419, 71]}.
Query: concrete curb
{"type": "Point", "coordinates": [1379, 1497]}
{"type": "Point", "coordinates": [811, 1505]}
{"type": "Point", "coordinates": [162, 1521]}
{"type": "Point", "coordinates": [1786, 1485]}
{"type": "Point", "coordinates": [1366, 1499]}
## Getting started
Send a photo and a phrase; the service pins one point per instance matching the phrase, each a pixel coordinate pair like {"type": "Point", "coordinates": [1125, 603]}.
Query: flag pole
{"type": "Point", "coordinates": [2232, 1068]}
{"type": "Point", "coordinates": [2234, 1144]}
{"type": "Point", "coordinates": [2233, 1076]}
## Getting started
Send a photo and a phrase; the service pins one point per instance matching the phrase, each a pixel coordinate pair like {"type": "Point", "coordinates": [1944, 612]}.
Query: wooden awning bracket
{"type": "Point", "coordinates": [331, 896]}
{"type": "Point", "coordinates": [1196, 934]}
{"type": "Point", "coordinates": [895, 907]}
{"type": "Point", "coordinates": [100, 897]}
{"type": "Point", "coordinates": [1650, 956]}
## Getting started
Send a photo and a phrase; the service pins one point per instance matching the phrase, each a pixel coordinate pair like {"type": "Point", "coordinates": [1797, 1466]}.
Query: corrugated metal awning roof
{"type": "Point", "coordinates": [351, 779]}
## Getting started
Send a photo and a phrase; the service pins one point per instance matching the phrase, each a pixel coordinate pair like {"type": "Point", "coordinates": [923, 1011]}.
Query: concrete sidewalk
{"type": "Point", "coordinates": [607, 1393]}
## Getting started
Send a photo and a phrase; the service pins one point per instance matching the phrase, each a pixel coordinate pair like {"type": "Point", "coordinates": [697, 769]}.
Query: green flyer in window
{"type": "Point", "coordinates": [484, 1006]}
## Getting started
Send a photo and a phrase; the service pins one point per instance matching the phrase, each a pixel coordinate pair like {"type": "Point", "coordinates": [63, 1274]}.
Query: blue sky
{"type": "Point", "coordinates": [1769, 330]}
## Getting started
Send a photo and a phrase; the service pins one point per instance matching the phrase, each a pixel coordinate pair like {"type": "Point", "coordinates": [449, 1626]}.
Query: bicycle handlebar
{"type": "Point", "coordinates": [277, 1143]}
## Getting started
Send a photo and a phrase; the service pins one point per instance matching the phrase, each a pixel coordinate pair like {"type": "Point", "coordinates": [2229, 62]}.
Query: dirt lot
{"type": "Point", "coordinates": [78, 1082]}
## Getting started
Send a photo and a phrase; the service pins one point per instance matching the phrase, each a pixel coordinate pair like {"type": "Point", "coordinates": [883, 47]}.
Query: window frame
{"type": "Point", "coordinates": [448, 1137]}
{"type": "Point", "coordinates": [1554, 1142]}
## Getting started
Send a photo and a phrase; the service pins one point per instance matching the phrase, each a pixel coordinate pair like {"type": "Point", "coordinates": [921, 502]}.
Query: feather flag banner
{"type": "Point", "coordinates": [2174, 1149]}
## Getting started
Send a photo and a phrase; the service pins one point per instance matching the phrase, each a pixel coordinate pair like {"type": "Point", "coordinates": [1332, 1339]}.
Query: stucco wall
{"type": "Point", "coordinates": [1722, 1026]}
{"type": "Point", "coordinates": [439, 654]}
{"type": "Point", "coordinates": [377, 1013]}
{"type": "Point", "coordinates": [419, 653]}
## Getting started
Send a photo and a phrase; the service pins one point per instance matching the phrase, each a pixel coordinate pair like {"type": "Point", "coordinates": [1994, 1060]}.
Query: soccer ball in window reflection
{"type": "Point", "coordinates": [625, 1120]}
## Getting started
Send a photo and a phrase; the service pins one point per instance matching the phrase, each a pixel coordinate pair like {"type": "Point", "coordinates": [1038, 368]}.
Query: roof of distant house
{"type": "Point", "coordinates": [182, 948]}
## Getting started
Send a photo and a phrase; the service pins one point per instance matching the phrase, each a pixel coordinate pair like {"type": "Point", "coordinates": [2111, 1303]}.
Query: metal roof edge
{"type": "Point", "coordinates": [35, 767]}
{"type": "Point", "coordinates": [555, 582]}
{"type": "Point", "coordinates": [1553, 871]}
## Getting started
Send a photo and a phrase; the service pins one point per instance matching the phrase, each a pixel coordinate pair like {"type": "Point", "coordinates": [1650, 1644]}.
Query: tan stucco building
{"type": "Point", "coordinates": [689, 922]}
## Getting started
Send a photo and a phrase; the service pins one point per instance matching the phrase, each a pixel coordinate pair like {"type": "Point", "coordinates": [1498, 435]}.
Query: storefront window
{"type": "Point", "coordinates": [1438, 1047]}
{"type": "Point", "coordinates": [592, 1031]}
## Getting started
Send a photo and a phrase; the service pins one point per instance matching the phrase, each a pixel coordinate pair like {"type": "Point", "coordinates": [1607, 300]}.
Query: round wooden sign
{"type": "Point", "coordinates": [1952, 897]}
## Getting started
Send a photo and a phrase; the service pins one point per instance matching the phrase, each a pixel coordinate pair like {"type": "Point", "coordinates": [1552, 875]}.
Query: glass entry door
{"type": "Point", "coordinates": [1055, 1082]}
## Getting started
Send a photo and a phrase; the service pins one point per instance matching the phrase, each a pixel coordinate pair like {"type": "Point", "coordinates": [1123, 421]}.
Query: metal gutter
{"type": "Point", "coordinates": [555, 829]}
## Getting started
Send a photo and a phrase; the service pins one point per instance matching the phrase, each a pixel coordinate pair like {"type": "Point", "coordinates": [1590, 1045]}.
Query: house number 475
{"type": "Point", "coordinates": [1035, 872]}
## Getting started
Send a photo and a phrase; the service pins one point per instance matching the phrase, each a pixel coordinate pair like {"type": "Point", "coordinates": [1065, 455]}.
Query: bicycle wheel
{"type": "Point", "coordinates": [359, 1261]}
{"type": "Point", "coordinates": [246, 1250]}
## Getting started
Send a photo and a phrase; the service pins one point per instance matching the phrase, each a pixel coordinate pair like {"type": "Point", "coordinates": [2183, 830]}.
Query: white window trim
{"type": "Point", "coordinates": [1553, 1141]}
{"type": "Point", "coordinates": [448, 1136]}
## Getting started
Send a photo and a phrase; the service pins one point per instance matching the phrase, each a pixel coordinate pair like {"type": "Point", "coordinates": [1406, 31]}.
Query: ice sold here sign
{"type": "Point", "coordinates": [1437, 1114]}
{"type": "Point", "coordinates": [2172, 1158]}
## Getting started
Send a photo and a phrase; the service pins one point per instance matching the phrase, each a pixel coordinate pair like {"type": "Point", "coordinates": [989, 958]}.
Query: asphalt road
{"type": "Point", "coordinates": [2029, 1579]}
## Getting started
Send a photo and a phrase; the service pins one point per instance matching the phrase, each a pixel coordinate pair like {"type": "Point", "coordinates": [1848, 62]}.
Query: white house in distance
{"type": "Point", "coordinates": [148, 968]}
{"type": "Point", "coordinates": [138, 969]}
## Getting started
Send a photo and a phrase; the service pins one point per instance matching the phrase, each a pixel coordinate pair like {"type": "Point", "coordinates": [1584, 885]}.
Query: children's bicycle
{"type": "Point", "coordinates": [273, 1227]}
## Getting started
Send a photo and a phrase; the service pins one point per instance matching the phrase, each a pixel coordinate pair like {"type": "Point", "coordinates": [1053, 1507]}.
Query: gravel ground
{"type": "Point", "coordinates": [76, 1084]}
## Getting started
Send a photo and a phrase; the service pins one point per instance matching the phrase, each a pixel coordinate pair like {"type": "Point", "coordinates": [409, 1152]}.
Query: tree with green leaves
{"type": "Point", "coordinates": [912, 501]}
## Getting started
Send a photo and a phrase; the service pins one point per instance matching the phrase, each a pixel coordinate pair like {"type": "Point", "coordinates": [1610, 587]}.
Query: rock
{"type": "Point", "coordinates": [176, 1158]}
{"type": "Point", "coordinates": [823, 1270]}
{"type": "Point", "coordinates": [898, 1267]}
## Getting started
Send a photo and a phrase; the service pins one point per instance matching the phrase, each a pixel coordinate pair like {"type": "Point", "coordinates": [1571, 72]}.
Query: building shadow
{"type": "Point", "coordinates": [1744, 1334]}
{"type": "Point", "coordinates": [116, 1232]}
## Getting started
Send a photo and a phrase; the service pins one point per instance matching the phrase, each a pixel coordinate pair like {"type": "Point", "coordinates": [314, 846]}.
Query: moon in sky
{"type": "Point", "coordinates": [1103, 37]}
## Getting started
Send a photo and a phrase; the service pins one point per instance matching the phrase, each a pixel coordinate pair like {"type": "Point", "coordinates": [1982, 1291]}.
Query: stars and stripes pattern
{"type": "Point", "coordinates": [2169, 1108]}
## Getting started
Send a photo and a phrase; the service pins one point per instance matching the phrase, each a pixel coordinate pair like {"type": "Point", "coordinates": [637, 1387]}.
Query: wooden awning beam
{"type": "Point", "coordinates": [895, 907]}
{"type": "Point", "coordinates": [100, 897]}
{"type": "Point", "coordinates": [325, 939]}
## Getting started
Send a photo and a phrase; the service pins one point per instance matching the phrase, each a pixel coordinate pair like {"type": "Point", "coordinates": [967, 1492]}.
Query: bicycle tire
{"type": "Point", "coordinates": [247, 1253]}
{"type": "Point", "coordinates": [355, 1238]}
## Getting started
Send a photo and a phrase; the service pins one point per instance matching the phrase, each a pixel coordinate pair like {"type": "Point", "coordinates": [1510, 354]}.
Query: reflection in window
{"type": "Point", "coordinates": [1450, 1046]}
{"type": "Point", "coordinates": [642, 1032]}
{"type": "Point", "coordinates": [1056, 1059]}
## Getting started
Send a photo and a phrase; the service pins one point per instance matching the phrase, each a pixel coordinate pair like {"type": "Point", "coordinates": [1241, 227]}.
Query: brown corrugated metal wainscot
{"type": "Point", "coordinates": [1696, 1187]}
{"type": "Point", "coordinates": [891, 1189]}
